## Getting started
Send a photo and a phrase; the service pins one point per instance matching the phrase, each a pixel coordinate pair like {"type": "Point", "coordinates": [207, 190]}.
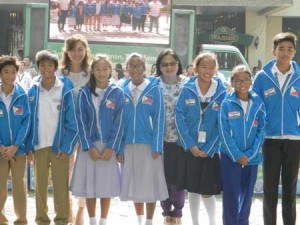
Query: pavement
{"type": "Point", "coordinates": [122, 213]}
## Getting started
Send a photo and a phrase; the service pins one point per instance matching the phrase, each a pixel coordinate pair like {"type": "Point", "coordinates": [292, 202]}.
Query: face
{"type": "Point", "coordinates": [241, 83]}
{"type": "Point", "coordinates": [190, 71]}
{"type": "Point", "coordinates": [101, 71]}
{"type": "Point", "coordinates": [169, 66]}
{"type": "Point", "coordinates": [21, 68]}
{"type": "Point", "coordinates": [26, 61]}
{"type": "Point", "coordinates": [284, 52]}
{"type": "Point", "coordinates": [206, 69]}
{"type": "Point", "coordinates": [8, 75]}
{"type": "Point", "coordinates": [136, 69]}
{"type": "Point", "coordinates": [77, 54]}
{"type": "Point", "coordinates": [47, 69]}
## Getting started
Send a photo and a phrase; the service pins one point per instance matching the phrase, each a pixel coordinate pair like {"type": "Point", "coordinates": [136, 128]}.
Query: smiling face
{"type": "Point", "coordinates": [77, 54]}
{"type": "Point", "coordinates": [136, 69]}
{"type": "Point", "coordinates": [47, 69]}
{"type": "Point", "coordinates": [8, 75]}
{"type": "Point", "coordinates": [241, 82]}
{"type": "Point", "coordinates": [206, 69]}
{"type": "Point", "coordinates": [101, 71]}
{"type": "Point", "coordinates": [169, 66]}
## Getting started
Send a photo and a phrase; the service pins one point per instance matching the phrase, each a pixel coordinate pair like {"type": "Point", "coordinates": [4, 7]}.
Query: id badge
{"type": "Point", "coordinates": [202, 137]}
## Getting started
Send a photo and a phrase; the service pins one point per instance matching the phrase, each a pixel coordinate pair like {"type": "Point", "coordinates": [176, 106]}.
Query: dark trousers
{"type": "Point", "coordinates": [281, 157]}
{"type": "Point", "coordinates": [176, 199]}
{"type": "Point", "coordinates": [62, 19]}
{"type": "Point", "coordinates": [141, 24]}
{"type": "Point", "coordinates": [238, 184]}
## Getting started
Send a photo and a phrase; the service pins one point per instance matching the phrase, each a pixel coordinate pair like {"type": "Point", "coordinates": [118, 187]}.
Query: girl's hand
{"type": "Point", "coordinates": [30, 157]}
{"type": "Point", "coordinates": [107, 154]}
{"type": "Point", "coordinates": [243, 161]}
{"type": "Point", "coordinates": [94, 154]}
{"type": "Point", "coordinates": [61, 155]}
{"type": "Point", "coordinates": [195, 151]}
{"type": "Point", "coordinates": [155, 155]}
{"type": "Point", "coordinates": [120, 158]}
{"type": "Point", "coordinates": [203, 154]}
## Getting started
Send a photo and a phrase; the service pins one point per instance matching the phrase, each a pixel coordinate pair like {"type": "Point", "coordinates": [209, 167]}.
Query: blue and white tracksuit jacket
{"type": "Point", "coordinates": [110, 112]}
{"type": "Point", "coordinates": [281, 120]}
{"type": "Point", "coordinates": [15, 122]}
{"type": "Point", "coordinates": [145, 122]}
{"type": "Point", "coordinates": [242, 134]}
{"type": "Point", "coordinates": [189, 121]}
{"type": "Point", "coordinates": [66, 134]}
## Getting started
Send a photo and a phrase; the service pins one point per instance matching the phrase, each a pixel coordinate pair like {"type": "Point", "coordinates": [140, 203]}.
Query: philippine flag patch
{"type": "Point", "coordinates": [294, 92]}
{"type": "Point", "coordinates": [18, 110]}
{"type": "Point", "coordinates": [234, 114]}
{"type": "Point", "coordinates": [255, 123]}
{"type": "Point", "coordinates": [147, 100]}
{"type": "Point", "coordinates": [110, 104]}
{"type": "Point", "coordinates": [215, 106]}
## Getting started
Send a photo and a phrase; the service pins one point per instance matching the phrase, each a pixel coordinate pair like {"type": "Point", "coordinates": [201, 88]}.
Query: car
{"type": "Point", "coordinates": [228, 57]}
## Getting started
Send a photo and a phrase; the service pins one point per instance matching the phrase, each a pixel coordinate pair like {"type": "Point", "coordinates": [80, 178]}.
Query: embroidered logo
{"type": "Point", "coordinates": [110, 104]}
{"type": "Point", "coordinates": [18, 110]}
{"type": "Point", "coordinates": [31, 98]}
{"type": "Point", "coordinates": [294, 92]}
{"type": "Point", "coordinates": [126, 101]}
{"type": "Point", "coordinates": [215, 106]}
{"type": "Point", "coordinates": [147, 100]}
{"type": "Point", "coordinates": [234, 114]}
{"type": "Point", "coordinates": [270, 92]}
{"type": "Point", "coordinates": [190, 101]}
{"type": "Point", "coordinates": [1, 113]}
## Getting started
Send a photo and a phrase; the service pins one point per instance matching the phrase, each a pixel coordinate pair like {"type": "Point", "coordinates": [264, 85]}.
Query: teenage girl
{"type": "Point", "coordinates": [196, 115]}
{"type": "Point", "coordinates": [242, 129]}
{"type": "Point", "coordinates": [144, 125]}
{"type": "Point", "coordinates": [100, 107]}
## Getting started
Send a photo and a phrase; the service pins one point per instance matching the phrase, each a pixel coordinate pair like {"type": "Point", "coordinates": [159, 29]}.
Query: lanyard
{"type": "Point", "coordinates": [203, 106]}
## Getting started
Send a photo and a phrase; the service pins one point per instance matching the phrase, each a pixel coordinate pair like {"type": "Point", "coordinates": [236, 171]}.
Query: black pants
{"type": "Point", "coordinates": [62, 19]}
{"type": "Point", "coordinates": [281, 157]}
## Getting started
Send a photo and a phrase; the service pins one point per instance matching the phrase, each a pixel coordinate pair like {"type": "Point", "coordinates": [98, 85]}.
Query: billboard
{"type": "Point", "coordinates": [111, 21]}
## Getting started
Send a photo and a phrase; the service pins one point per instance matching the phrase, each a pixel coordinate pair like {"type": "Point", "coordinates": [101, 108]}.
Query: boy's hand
{"type": "Point", "coordinates": [243, 161]}
{"type": "Point", "coordinates": [107, 154]}
{"type": "Point", "coordinates": [61, 155]}
{"type": "Point", "coordinates": [94, 154]}
{"type": "Point", "coordinates": [30, 157]}
{"type": "Point", "coordinates": [9, 152]}
{"type": "Point", "coordinates": [203, 154]}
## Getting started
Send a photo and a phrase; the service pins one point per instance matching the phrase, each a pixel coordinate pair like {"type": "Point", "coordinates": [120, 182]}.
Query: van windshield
{"type": "Point", "coordinates": [228, 60]}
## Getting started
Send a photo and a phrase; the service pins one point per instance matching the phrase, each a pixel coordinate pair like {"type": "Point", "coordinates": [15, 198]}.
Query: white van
{"type": "Point", "coordinates": [228, 57]}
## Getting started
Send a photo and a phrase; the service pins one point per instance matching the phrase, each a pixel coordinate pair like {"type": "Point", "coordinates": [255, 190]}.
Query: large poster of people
{"type": "Point", "coordinates": [114, 21]}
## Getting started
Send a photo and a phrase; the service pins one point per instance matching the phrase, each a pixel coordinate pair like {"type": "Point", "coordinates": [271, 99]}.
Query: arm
{"type": "Point", "coordinates": [70, 130]}
{"type": "Point", "coordinates": [158, 118]}
{"type": "Point", "coordinates": [227, 140]}
{"type": "Point", "coordinates": [180, 120]}
{"type": "Point", "coordinates": [260, 134]}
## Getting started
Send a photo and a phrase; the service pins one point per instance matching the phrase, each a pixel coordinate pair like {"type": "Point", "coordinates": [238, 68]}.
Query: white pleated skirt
{"type": "Point", "coordinates": [95, 179]}
{"type": "Point", "coordinates": [143, 178]}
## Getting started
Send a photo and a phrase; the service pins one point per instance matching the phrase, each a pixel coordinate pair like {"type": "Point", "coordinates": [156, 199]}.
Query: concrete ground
{"type": "Point", "coordinates": [122, 213]}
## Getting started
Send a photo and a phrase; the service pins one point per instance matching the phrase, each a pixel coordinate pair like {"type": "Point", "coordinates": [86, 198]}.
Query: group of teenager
{"type": "Point", "coordinates": [98, 15]}
{"type": "Point", "coordinates": [151, 138]}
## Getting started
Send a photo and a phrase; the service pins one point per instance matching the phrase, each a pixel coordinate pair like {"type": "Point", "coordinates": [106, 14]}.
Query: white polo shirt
{"type": "Point", "coordinates": [48, 113]}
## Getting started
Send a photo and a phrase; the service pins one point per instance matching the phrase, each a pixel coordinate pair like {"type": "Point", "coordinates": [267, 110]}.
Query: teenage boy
{"type": "Point", "coordinates": [14, 128]}
{"type": "Point", "coordinates": [278, 84]}
{"type": "Point", "coordinates": [53, 136]}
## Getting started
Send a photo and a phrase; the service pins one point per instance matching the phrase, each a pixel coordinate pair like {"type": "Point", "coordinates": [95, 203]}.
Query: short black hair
{"type": "Point", "coordinates": [7, 60]}
{"type": "Point", "coordinates": [285, 36]}
{"type": "Point", "coordinates": [46, 55]}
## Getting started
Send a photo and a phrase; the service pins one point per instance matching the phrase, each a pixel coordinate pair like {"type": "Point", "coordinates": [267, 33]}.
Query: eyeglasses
{"type": "Point", "coordinates": [172, 64]}
{"type": "Point", "coordinates": [238, 82]}
{"type": "Point", "coordinates": [136, 67]}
